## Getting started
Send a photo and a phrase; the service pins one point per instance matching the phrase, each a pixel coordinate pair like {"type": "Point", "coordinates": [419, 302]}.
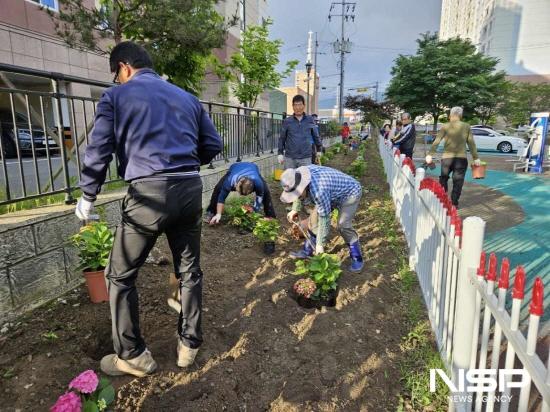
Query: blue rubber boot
{"type": "Point", "coordinates": [307, 251]}
{"type": "Point", "coordinates": [356, 257]}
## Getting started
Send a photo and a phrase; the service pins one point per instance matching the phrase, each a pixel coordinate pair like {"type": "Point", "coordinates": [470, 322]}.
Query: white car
{"type": "Point", "coordinates": [487, 139]}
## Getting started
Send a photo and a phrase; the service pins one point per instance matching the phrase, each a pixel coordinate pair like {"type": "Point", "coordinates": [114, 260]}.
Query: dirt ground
{"type": "Point", "coordinates": [261, 350]}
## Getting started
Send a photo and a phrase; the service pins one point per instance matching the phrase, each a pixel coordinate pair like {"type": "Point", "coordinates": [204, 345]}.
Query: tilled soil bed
{"type": "Point", "coordinates": [261, 350]}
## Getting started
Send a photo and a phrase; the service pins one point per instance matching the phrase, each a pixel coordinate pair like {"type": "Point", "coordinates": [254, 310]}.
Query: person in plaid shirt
{"type": "Point", "coordinates": [327, 189]}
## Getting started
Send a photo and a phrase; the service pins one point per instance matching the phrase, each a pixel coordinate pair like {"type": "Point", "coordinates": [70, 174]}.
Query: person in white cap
{"type": "Point", "coordinates": [328, 189]}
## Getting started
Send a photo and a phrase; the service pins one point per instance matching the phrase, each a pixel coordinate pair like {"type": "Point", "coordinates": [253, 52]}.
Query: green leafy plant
{"type": "Point", "coordinates": [9, 373]}
{"type": "Point", "coordinates": [324, 270]}
{"type": "Point", "coordinates": [244, 217]}
{"type": "Point", "coordinates": [337, 148]}
{"type": "Point", "coordinates": [266, 229]}
{"type": "Point", "coordinates": [50, 336]}
{"type": "Point", "coordinates": [358, 167]}
{"type": "Point", "coordinates": [94, 243]}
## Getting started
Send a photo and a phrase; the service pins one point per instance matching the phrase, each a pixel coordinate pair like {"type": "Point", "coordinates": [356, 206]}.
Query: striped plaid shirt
{"type": "Point", "coordinates": [329, 188]}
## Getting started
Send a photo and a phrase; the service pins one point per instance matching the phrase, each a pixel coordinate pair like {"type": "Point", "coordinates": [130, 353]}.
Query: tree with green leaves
{"type": "Point", "coordinates": [371, 111]}
{"type": "Point", "coordinates": [442, 74]}
{"type": "Point", "coordinates": [179, 34]}
{"type": "Point", "coordinates": [252, 70]}
{"type": "Point", "coordinates": [524, 99]}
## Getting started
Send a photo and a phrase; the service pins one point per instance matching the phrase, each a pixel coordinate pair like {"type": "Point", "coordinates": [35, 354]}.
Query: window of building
{"type": "Point", "coordinates": [51, 4]}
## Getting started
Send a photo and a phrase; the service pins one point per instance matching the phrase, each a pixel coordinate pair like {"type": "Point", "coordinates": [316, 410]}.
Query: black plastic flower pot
{"type": "Point", "coordinates": [269, 248]}
{"type": "Point", "coordinates": [308, 303]}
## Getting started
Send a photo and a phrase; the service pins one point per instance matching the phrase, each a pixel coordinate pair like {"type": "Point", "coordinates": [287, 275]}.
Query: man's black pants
{"type": "Point", "coordinates": [150, 208]}
{"type": "Point", "coordinates": [458, 166]}
{"type": "Point", "coordinates": [269, 210]}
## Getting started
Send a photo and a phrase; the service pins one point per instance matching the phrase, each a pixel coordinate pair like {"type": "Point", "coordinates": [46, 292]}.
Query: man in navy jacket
{"type": "Point", "coordinates": [298, 133]}
{"type": "Point", "coordinates": [161, 136]}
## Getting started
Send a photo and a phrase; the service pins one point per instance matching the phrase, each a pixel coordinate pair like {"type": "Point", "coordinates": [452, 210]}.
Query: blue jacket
{"type": "Point", "coordinates": [235, 173]}
{"type": "Point", "coordinates": [153, 127]}
{"type": "Point", "coordinates": [297, 136]}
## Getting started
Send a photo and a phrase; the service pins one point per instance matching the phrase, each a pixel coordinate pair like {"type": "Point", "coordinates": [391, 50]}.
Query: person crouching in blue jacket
{"type": "Point", "coordinates": [243, 178]}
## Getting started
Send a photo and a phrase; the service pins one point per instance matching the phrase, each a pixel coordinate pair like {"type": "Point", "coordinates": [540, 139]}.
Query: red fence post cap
{"type": "Point", "coordinates": [482, 263]}
{"type": "Point", "coordinates": [492, 273]}
{"type": "Point", "coordinates": [537, 300]}
{"type": "Point", "coordinates": [504, 280]}
{"type": "Point", "coordinates": [519, 283]}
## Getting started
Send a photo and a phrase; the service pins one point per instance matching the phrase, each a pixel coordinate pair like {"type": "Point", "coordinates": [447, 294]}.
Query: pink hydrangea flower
{"type": "Point", "coordinates": [305, 287]}
{"type": "Point", "coordinates": [69, 402]}
{"type": "Point", "coordinates": [86, 382]}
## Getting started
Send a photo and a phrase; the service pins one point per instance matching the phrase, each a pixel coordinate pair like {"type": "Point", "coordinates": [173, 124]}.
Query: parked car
{"type": "Point", "coordinates": [487, 139]}
{"type": "Point", "coordinates": [490, 130]}
{"type": "Point", "coordinates": [9, 145]}
{"type": "Point", "coordinates": [483, 126]}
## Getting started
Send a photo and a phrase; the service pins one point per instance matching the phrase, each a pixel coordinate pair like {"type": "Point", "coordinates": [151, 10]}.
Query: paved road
{"type": "Point", "coordinates": [29, 175]}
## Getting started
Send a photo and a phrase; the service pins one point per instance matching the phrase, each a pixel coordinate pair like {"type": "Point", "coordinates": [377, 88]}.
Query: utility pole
{"type": "Point", "coordinates": [376, 92]}
{"type": "Point", "coordinates": [342, 46]}
{"type": "Point", "coordinates": [308, 68]}
{"type": "Point", "coordinates": [315, 71]}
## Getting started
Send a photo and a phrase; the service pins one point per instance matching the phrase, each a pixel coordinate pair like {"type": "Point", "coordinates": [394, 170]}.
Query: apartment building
{"type": "Point", "coordinates": [28, 39]}
{"type": "Point", "coordinates": [249, 12]}
{"type": "Point", "coordinates": [517, 32]}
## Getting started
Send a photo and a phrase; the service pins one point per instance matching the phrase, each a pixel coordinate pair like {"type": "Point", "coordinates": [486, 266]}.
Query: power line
{"type": "Point", "coordinates": [342, 45]}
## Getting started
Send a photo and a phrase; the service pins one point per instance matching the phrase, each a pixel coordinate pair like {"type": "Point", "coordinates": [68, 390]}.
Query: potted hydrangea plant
{"type": "Point", "coordinates": [94, 242]}
{"type": "Point", "coordinates": [266, 231]}
{"type": "Point", "coordinates": [88, 393]}
{"type": "Point", "coordinates": [322, 272]}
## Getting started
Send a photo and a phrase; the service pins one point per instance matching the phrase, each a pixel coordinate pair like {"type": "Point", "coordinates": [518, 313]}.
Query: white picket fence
{"type": "Point", "coordinates": [467, 314]}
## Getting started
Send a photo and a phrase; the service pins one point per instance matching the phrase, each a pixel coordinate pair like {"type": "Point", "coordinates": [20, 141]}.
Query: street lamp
{"type": "Point", "coordinates": [308, 71]}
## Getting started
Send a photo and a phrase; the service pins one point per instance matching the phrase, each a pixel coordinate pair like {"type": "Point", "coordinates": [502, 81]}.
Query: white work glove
{"type": "Point", "coordinates": [84, 209]}
{"type": "Point", "coordinates": [319, 249]}
{"type": "Point", "coordinates": [291, 216]}
{"type": "Point", "coordinates": [477, 162]}
{"type": "Point", "coordinates": [281, 159]}
{"type": "Point", "coordinates": [429, 160]}
{"type": "Point", "coordinates": [216, 219]}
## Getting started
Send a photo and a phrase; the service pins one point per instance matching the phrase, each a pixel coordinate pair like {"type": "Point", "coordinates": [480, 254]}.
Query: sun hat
{"type": "Point", "coordinates": [294, 182]}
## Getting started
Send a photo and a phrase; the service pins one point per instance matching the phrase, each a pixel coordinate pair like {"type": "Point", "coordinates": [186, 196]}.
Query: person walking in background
{"type": "Point", "coordinates": [297, 133]}
{"type": "Point", "coordinates": [345, 133]}
{"type": "Point", "coordinates": [161, 136]}
{"type": "Point", "coordinates": [406, 138]}
{"type": "Point", "coordinates": [386, 131]}
{"type": "Point", "coordinates": [457, 135]}
{"type": "Point", "coordinates": [398, 127]}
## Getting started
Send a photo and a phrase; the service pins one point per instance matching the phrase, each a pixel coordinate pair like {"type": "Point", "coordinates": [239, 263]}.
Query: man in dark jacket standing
{"type": "Point", "coordinates": [406, 138]}
{"type": "Point", "coordinates": [161, 136]}
{"type": "Point", "coordinates": [297, 134]}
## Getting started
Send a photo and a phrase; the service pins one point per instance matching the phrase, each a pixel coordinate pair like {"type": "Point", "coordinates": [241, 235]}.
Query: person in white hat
{"type": "Point", "coordinates": [328, 189]}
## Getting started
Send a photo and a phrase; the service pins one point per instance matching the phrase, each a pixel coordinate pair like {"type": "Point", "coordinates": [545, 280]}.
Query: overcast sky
{"type": "Point", "coordinates": [382, 30]}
